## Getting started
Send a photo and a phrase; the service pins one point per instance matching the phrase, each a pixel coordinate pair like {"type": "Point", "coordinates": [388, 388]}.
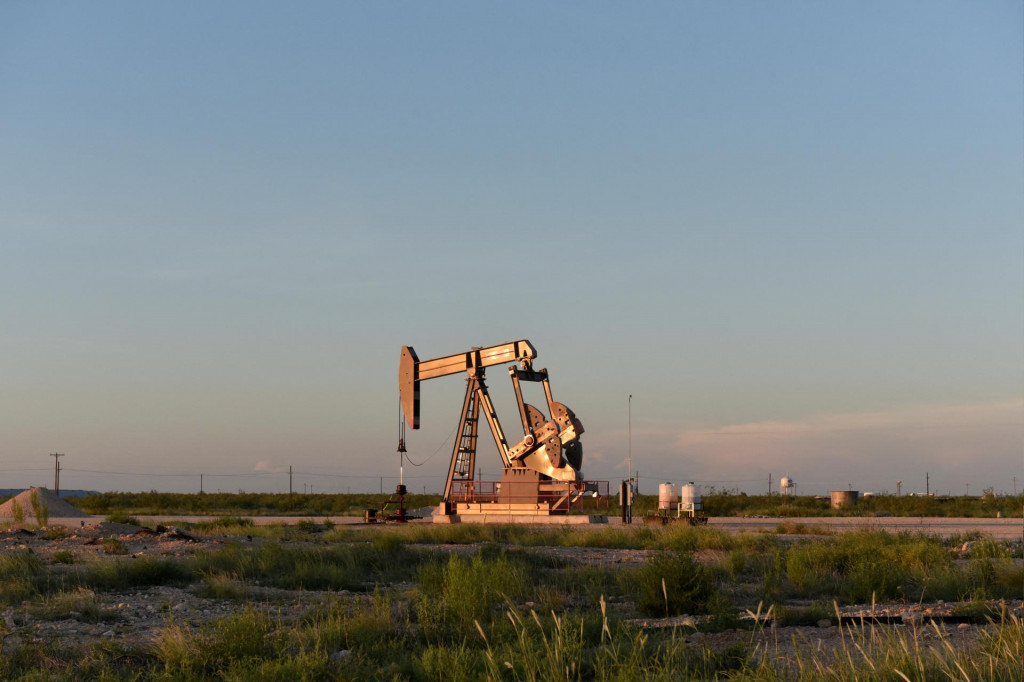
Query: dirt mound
{"type": "Point", "coordinates": [56, 507]}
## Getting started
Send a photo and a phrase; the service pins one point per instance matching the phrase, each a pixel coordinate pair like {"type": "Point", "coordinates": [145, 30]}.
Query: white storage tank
{"type": "Point", "coordinates": [689, 495]}
{"type": "Point", "coordinates": [667, 497]}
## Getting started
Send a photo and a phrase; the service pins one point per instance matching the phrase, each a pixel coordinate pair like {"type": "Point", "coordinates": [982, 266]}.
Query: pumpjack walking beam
{"type": "Point", "coordinates": [411, 371]}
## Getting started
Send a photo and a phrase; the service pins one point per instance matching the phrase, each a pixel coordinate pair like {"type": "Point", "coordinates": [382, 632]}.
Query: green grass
{"type": "Point", "coordinates": [716, 503]}
{"type": "Point", "coordinates": [352, 567]}
{"type": "Point", "coordinates": [80, 604]}
{"type": "Point", "coordinates": [121, 574]}
{"type": "Point", "coordinates": [498, 611]}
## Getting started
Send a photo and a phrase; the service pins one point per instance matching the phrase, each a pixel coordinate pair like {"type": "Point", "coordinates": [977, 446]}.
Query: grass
{"type": "Point", "coordinates": [716, 503]}
{"type": "Point", "coordinates": [79, 604]}
{"type": "Point", "coordinates": [394, 605]}
{"type": "Point", "coordinates": [354, 567]}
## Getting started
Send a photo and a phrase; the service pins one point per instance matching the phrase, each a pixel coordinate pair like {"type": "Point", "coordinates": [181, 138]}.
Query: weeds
{"type": "Point", "coordinates": [80, 604]}
{"type": "Point", "coordinates": [122, 517]}
{"type": "Point", "coordinates": [121, 574]}
{"type": "Point", "coordinates": [39, 508]}
{"type": "Point", "coordinates": [113, 546]}
{"type": "Point", "coordinates": [55, 533]}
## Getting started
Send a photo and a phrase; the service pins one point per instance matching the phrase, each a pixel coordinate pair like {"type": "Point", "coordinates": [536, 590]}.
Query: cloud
{"type": "Point", "coordinates": [957, 446]}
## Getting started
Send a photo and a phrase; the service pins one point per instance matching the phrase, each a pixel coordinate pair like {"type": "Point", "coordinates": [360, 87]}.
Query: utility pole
{"type": "Point", "coordinates": [289, 479]}
{"type": "Point", "coordinates": [56, 472]}
{"type": "Point", "coordinates": [769, 484]}
{"type": "Point", "coordinates": [200, 484]}
{"type": "Point", "coordinates": [629, 438]}
{"type": "Point", "coordinates": [927, 484]}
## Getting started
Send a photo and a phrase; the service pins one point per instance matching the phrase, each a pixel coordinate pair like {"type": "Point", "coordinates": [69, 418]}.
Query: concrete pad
{"type": "Point", "coordinates": [574, 520]}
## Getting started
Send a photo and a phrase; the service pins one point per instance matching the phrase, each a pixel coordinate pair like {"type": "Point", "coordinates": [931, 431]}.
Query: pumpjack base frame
{"type": "Point", "coordinates": [490, 512]}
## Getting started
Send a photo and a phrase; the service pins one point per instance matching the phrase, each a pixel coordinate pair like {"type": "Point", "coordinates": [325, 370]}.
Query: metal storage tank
{"type": "Point", "coordinates": [689, 495]}
{"type": "Point", "coordinates": [667, 497]}
{"type": "Point", "coordinates": [844, 498]}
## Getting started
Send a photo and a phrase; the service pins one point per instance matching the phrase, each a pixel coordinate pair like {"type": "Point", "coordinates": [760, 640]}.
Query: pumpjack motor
{"type": "Point", "coordinates": [541, 471]}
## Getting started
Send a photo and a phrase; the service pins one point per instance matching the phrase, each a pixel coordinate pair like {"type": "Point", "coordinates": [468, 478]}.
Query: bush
{"type": "Point", "coordinates": [670, 585]}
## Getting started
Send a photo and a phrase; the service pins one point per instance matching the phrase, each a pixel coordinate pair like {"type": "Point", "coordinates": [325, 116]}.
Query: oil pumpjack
{"type": "Point", "coordinates": [541, 472]}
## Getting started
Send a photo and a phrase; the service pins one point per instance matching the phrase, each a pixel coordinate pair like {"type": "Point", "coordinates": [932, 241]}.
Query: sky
{"type": "Point", "coordinates": [792, 232]}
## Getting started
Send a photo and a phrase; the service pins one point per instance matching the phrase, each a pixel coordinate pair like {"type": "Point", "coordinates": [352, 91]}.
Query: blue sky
{"type": "Point", "coordinates": [791, 230]}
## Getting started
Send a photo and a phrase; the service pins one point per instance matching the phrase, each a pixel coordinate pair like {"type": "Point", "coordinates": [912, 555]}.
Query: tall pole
{"type": "Point", "coordinates": [629, 440]}
{"type": "Point", "coordinates": [289, 479]}
{"type": "Point", "coordinates": [927, 484]}
{"type": "Point", "coordinates": [56, 472]}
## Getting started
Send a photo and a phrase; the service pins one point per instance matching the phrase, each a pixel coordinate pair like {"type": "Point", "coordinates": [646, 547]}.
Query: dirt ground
{"type": "Point", "coordinates": [137, 616]}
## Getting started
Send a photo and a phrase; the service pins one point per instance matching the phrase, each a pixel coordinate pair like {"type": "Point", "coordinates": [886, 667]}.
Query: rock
{"type": "Point", "coordinates": [174, 533]}
{"type": "Point", "coordinates": [963, 626]}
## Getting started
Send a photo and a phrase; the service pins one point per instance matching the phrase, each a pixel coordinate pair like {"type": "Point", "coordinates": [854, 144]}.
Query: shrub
{"type": "Point", "coordinates": [670, 585]}
{"type": "Point", "coordinates": [17, 512]}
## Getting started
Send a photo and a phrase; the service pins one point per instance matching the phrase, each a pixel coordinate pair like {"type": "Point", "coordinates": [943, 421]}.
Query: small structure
{"type": "Point", "coordinates": [668, 498]}
{"type": "Point", "coordinates": [686, 503]}
{"type": "Point", "coordinates": [788, 485]}
{"type": "Point", "coordinates": [844, 498]}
